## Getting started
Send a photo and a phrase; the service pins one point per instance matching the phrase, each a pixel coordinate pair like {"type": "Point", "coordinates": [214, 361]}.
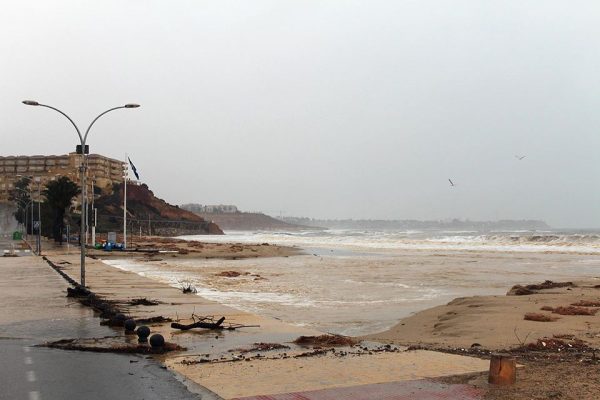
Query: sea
{"type": "Point", "coordinates": [356, 282]}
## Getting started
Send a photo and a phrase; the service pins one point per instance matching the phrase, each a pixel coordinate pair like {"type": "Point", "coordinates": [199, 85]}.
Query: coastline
{"type": "Point", "coordinates": [497, 322]}
{"type": "Point", "coordinates": [213, 360]}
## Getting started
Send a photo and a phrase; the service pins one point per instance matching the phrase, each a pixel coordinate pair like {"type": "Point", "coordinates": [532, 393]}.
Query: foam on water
{"type": "Point", "coordinates": [378, 277]}
{"type": "Point", "coordinates": [514, 241]}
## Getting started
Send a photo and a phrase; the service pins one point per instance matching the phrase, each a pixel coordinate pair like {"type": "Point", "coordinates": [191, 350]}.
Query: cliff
{"type": "Point", "coordinates": [149, 214]}
{"type": "Point", "coordinates": [242, 221]}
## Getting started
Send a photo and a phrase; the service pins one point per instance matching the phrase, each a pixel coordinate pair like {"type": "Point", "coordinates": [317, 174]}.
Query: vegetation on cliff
{"type": "Point", "coordinates": [148, 214]}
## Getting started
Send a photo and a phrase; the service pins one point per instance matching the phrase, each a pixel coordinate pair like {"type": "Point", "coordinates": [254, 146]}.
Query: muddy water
{"type": "Point", "coordinates": [359, 293]}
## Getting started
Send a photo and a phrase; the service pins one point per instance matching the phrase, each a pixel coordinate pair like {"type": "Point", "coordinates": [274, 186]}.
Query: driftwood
{"type": "Point", "coordinates": [199, 324]}
{"type": "Point", "coordinates": [209, 323]}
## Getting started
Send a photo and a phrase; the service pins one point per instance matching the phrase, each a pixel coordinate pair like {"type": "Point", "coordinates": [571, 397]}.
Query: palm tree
{"type": "Point", "coordinates": [20, 195]}
{"type": "Point", "coordinates": [59, 195]}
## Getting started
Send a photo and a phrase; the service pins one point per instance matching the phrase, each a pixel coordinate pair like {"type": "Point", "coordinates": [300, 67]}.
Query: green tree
{"type": "Point", "coordinates": [20, 196]}
{"type": "Point", "coordinates": [59, 195]}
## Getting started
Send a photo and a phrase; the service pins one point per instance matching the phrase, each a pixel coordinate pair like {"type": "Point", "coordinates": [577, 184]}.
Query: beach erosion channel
{"type": "Point", "coordinates": [342, 289]}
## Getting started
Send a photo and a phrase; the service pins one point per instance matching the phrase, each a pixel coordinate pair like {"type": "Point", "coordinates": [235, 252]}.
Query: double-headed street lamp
{"type": "Point", "coordinates": [82, 139]}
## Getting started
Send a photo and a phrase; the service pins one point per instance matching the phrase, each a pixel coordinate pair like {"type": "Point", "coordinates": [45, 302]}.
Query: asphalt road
{"type": "Point", "coordinates": [32, 373]}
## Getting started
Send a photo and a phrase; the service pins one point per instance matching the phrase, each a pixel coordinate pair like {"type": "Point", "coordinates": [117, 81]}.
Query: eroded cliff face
{"type": "Point", "coordinates": [149, 214]}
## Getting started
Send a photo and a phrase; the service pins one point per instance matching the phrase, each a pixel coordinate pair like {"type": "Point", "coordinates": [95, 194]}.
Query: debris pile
{"type": "Point", "coordinates": [555, 344]}
{"type": "Point", "coordinates": [571, 310]}
{"type": "Point", "coordinates": [143, 302]}
{"type": "Point", "coordinates": [260, 347]}
{"type": "Point", "coordinates": [520, 290]}
{"type": "Point", "coordinates": [96, 345]}
{"type": "Point", "coordinates": [325, 340]}
{"type": "Point", "coordinates": [586, 303]}
{"type": "Point", "coordinates": [210, 322]}
{"type": "Point", "coordinates": [231, 274]}
{"type": "Point", "coordinates": [539, 317]}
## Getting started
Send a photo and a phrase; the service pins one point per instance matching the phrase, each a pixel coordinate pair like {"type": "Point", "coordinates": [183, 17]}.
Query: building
{"type": "Point", "coordinates": [102, 171]}
{"type": "Point", "coordinates": [211, 209]}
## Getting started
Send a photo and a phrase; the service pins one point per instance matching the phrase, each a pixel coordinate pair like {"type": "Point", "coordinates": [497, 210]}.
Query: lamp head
{"type": "Point", "coordinates": [30, 102]}
{"type": "Point", "coordinates": [132, 105]}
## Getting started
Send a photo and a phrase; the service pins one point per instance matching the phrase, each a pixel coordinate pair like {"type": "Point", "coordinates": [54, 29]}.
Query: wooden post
{"type": "Point", "coordinates": [503, 370]}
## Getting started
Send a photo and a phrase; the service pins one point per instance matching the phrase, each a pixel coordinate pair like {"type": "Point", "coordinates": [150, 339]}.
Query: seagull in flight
{"type": "Point", "coordinates": [451, 183]}
{"type": "Point", "coordinates": [520, 157]}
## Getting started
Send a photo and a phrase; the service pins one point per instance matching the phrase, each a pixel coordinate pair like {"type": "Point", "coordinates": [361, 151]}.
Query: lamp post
{"type": "Point", "coordinates": [82, 140]}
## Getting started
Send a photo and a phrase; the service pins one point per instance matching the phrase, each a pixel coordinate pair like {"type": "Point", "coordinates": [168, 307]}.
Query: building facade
{"type": "Point", "coordinates": [102, 172]}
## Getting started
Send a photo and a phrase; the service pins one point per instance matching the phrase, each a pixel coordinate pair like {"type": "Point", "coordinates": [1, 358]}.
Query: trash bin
{"type": "Point", "coordinates": [17, 235]}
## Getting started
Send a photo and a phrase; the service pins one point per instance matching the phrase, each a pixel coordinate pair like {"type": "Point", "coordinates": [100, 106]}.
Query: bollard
{"type": "Point", "coordinates": [157, 340]}
{"type": "Point", "coordinates": [143, 332]}
{"type": "Point", "coordinates": [129, 325]}
{"type": "Point", "coordinates": [503, 370]}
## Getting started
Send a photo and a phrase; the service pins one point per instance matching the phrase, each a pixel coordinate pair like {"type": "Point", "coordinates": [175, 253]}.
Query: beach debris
{"type": "Point", "coordinates": [153, 320]}
{"type": "Point", "coordinates": [571, 310]}
{"type": "Point", "coordinates": [187, 287]}
{"type": "Point", "coordinates": [586, 303]}
{"type": "Point", "coordinates": [231, 274]}
{"type": "Point", "coordinates": [94, 345]}
{"type": "Point", "coordinates": [78, 291]}
{"type": "Point", "coordinates": [555, 344]}
{"type": "Point", "coordinates": [260, 347]}
{"type": "Point", "coordinates": [539, 317]}
{"type": "Point", "coordinates": [142, 301]}
{"type": "Point", "coordinates": [325, 340]}
{"type": "Point", "coordinates": [209, 322]}
{"type": "Point", "coordinates": [519, 290]}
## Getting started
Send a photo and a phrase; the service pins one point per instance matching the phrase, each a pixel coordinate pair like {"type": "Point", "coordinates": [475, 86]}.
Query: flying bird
{"type": "Point", "coordinates": [451, 183]}
{"type": "Point", "coordinates": [520, 157]}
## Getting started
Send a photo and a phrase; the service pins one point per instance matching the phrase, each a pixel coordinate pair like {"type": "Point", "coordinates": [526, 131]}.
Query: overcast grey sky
{"type": "Point", "coordinates": [358, 109]}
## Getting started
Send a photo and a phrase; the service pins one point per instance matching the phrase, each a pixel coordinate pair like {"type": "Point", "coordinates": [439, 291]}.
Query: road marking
{"type": "Point", "coordinates": [30, 376]}
{"type": "Point", "coordinates": [26, 349]}
{"type": "Point", "coordinates": [28, 361]}
{"type": "Point", "coordinates": [34, 396]}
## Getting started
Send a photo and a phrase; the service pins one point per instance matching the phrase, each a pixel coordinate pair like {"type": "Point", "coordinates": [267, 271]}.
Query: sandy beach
{"type": "Point", "coordinates": [450, 342]}
{"type": "Point", "coordinates": [212, 359]}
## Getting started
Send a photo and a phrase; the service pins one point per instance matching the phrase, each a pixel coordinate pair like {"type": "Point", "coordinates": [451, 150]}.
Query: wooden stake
{"type": "Point", "coordinates": [503, 370]}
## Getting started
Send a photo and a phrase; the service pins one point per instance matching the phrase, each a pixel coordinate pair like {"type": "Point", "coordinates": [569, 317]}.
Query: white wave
{"type": "Point", "coordinates": [525, 241]}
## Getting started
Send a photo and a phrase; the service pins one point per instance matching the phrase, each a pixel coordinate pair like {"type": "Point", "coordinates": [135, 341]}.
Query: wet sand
{"type": "Point", "coordinates": [495, 322]}
{"type": "Point", "coordinates": [275, 373]}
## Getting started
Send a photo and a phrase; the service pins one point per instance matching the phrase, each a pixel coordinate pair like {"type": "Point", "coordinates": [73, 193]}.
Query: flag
{"type": "Point", "coordinates": [133, 169]}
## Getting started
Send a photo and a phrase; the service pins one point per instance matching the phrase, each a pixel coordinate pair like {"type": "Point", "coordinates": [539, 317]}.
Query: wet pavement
{"type": "Point", "coordinates": [36, 310]}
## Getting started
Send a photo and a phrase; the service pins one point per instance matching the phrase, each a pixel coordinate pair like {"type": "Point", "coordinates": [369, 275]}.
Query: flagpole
{"type": "Point", "coordinates": [125, 204]}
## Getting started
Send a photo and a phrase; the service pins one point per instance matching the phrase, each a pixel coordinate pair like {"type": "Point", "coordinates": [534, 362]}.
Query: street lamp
{"type": "Point", "coordinates": [82, 139]}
